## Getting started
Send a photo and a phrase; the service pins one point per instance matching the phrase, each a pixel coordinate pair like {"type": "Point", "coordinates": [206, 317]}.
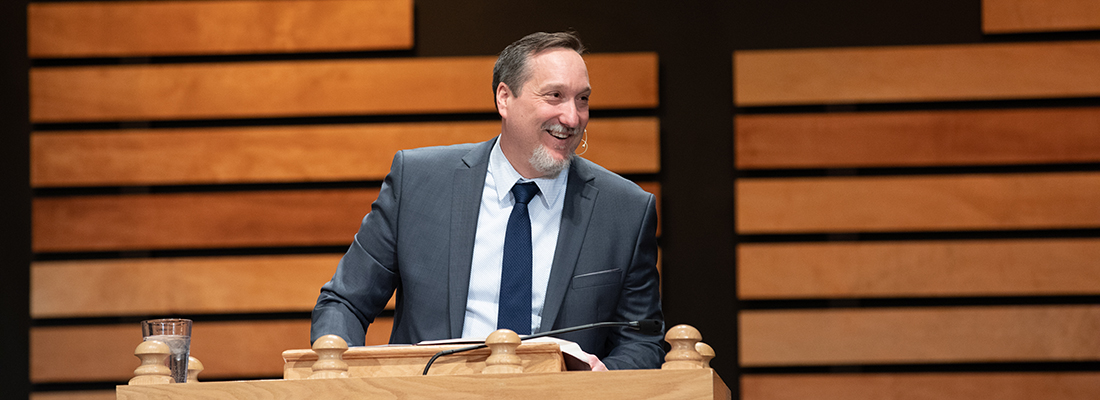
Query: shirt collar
{"type": "Point", "coordinates": [505, 176]}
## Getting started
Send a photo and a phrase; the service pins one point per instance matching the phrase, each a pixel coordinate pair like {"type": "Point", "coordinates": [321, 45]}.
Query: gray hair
{"type": "Point", "coordinates": [511, 67]}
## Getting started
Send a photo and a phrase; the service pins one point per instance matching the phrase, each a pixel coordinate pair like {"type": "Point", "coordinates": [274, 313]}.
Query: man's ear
{"type": "Point", "coordinates": [503, 98]}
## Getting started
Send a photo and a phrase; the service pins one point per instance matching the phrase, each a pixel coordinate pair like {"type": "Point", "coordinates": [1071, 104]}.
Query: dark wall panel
{"type": "Point", "coordinates": [15, 199]}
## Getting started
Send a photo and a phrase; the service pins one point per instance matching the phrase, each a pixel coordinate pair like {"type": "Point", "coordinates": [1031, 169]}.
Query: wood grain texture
{"type": "Point", "coordinates": [307, 88]}
{"type": "Point", "coordinates": [924, 386]}
{"type": "Point", "coordinates": [918, 203]}
{"type": "Point", "coordinates": [367, 362]}
{"type": "Point", "coordinates": [1049, 267]}
{"type": "Point", "coordinates": [200, 285]}
{"type": "Point", "coordinates": [918, 138]}
{"type": "Point", "coordinates": [74, 395]}
{"type": "Point", "coordinates": [1020, 16]}
{"type": "Point", "coordinates": [236, 349]}
{"type": "Point", "coordinates": [917, 73]}
{"type": "Point", "coordinates": [920, 335]}
{"type": "Point", "coordinates": [292, 153]}
{"type": "Point", "coordinates": [697, 384]}
{"type": "Point", "coordinates": [328, 217]}
{"type": "Point", "coordinates": [158, 28]}
{"type": "Point", "coordinates": [199, 220]}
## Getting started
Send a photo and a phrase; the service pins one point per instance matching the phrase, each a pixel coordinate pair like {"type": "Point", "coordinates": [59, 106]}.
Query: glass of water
{"type": "Point", "coordinates": [176, 333]}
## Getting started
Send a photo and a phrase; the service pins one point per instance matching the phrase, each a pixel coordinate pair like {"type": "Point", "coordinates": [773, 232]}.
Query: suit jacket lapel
{"type": "Point", "coordinates": [580, 197]}
{"type": "Point", "coordinates": [469, 182]}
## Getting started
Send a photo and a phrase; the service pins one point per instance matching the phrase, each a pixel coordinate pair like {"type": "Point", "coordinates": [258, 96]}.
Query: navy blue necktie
{"type": "Point", "coordinates": [514, 308]}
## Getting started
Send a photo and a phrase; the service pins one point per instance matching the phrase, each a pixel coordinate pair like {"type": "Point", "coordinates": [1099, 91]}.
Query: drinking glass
{"type": "Point", "coordinates": [176, 333]}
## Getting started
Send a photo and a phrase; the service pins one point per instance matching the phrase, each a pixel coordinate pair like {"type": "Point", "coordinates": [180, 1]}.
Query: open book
{"type": "Point", "coordinates": [575, 358]}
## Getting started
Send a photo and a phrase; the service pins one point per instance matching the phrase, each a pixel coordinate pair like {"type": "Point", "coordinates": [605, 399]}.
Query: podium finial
{"type": "Point", "coordinates": [683, 354]}
{"type": "Point", "coordinates": [152, 370]}
{"type": "Point", "coordinates": [503, 359]}
{"type": "Point", "coordinates": [194, 367]}
{"type": "Point", "coordinates": [330, 362]}
{"type": "Point", "coordinates": [706, 351]}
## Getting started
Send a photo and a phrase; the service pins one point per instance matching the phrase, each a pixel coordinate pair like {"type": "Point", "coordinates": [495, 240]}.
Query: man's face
{"type": "Point", "coordinates": [544, 122]}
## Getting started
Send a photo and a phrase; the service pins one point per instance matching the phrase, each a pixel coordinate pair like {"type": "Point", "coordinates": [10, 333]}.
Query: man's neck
{"type": "Point", "coordinates": [518, 162]}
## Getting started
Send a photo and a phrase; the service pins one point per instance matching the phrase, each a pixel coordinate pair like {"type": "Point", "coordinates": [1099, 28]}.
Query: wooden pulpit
{"type": "Point", "coordinates": [507, 369]}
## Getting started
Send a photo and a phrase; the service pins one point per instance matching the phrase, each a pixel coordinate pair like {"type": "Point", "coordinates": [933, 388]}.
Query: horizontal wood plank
{"type": "Point", "coordinates": [159, 28]}
{"type": "Point", "coordinates": [920, 335]}
{"type": "Point", "coordinates": [918, 203]}
{"type": "Point", "coordinates": [234, 349]}
{"type": "Point", "coordinates": [925, 386]}
{"type": "Point", "coordinates": [969, 386]}
{"type": "Point", "coordinates": [688, 384]}
{"type": "Point", "coordinates": [292, 153]}
{"type": "Point", "coordinates": [1020, 16]}
{"type": "Point", "coordinates": [327, 217]}
{"type": "Point", "coordinates": [199, 220]}
{"type": "Point", "coordinates": [918, 138]}
{"type": "Point", "coordinates": [206, 285]}
{"type": "Point", "coordinates": [75, 395]}
{"type": "Point", "coordinates": [917, 73]}
{"type": "Point", "coordinates": [1047, 267]}
{"type": "Point", "coordinates": [307, 88]}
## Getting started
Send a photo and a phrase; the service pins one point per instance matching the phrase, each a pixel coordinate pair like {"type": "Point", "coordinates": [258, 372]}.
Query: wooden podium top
{"type": "Point", "coordinates": [610, 385]}
{"type": "Point", "coordinates": [409, 360]}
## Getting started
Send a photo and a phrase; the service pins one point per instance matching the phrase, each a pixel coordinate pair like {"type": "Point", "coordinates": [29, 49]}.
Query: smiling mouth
{"type": "Point", "coordinates": [559, 131]}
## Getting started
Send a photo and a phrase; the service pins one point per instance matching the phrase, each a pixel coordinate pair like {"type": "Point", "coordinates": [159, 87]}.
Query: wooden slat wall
{"type": "Point", "coordinates": [290, 153]}
{"type": "Point", "coordinates": [75, 395]}
{"type": "Point", "coordinates": [940, 268]}
{"type": "Point", "coordinates": [144, 28]}
{"type": "Point", "coordinates": [931, 386]}
{"type": "Point", "coordinates": [307, 88]}
{"type": "Point", "coordinates": [242, 284]}
{"type": "Point", "coordinates": [918, 138]}
{"type": "Point", "coordinates": [944, 234]}
{"type": "Point", "coordinates": [1020, 16]}
{"type": "Point", "coordinates": [202, 220]}
{"type": "Point", "coordinates": [922, 203]}
{"type": "Point", "coordinates": [919, 73]}
{"type": "Point", "coordinates": [233, 349]}
{"type": "Point", "coordinates": [199, 220]}
{"type": "Point", "coordinates": [200, 285]}
{"type": "Point", "coordinates": [920, 335]}
{"type": "Point", "coordinates": [210, 201]}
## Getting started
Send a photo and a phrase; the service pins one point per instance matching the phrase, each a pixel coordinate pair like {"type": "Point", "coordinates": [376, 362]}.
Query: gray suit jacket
{"type": "Point", "coordinates": [418, 240]}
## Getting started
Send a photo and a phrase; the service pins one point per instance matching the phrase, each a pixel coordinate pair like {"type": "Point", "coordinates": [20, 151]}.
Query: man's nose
{"type": "Point", "coordinates": [570, 115]}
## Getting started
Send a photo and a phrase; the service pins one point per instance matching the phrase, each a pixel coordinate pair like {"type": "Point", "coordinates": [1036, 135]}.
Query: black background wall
{"type": "Point", "coordinates": [695, 41]}
{"type": "Point", "coordinates": [15, 201]}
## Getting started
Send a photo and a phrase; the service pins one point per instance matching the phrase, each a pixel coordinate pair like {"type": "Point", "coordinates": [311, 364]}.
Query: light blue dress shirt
{"type": "Point", "coordinates": [492, 222]}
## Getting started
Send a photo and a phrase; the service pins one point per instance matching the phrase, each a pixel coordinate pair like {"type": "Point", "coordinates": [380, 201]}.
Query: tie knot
{"type": "Point", "coordinates": [524, 192]}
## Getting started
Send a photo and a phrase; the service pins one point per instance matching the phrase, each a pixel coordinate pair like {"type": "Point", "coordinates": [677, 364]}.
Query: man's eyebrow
{"type": "Point", "coordinates": [560, 86]}
{"type": "Point", "coordinates": [552, 86]}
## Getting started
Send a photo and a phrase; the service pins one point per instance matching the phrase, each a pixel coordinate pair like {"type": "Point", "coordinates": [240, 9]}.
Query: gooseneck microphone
{"type": "Point", "coordinates": [645, 326]}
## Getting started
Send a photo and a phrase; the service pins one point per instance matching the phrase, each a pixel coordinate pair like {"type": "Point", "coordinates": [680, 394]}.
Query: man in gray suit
{"type": "Point", "coordinates": [444, 230]}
